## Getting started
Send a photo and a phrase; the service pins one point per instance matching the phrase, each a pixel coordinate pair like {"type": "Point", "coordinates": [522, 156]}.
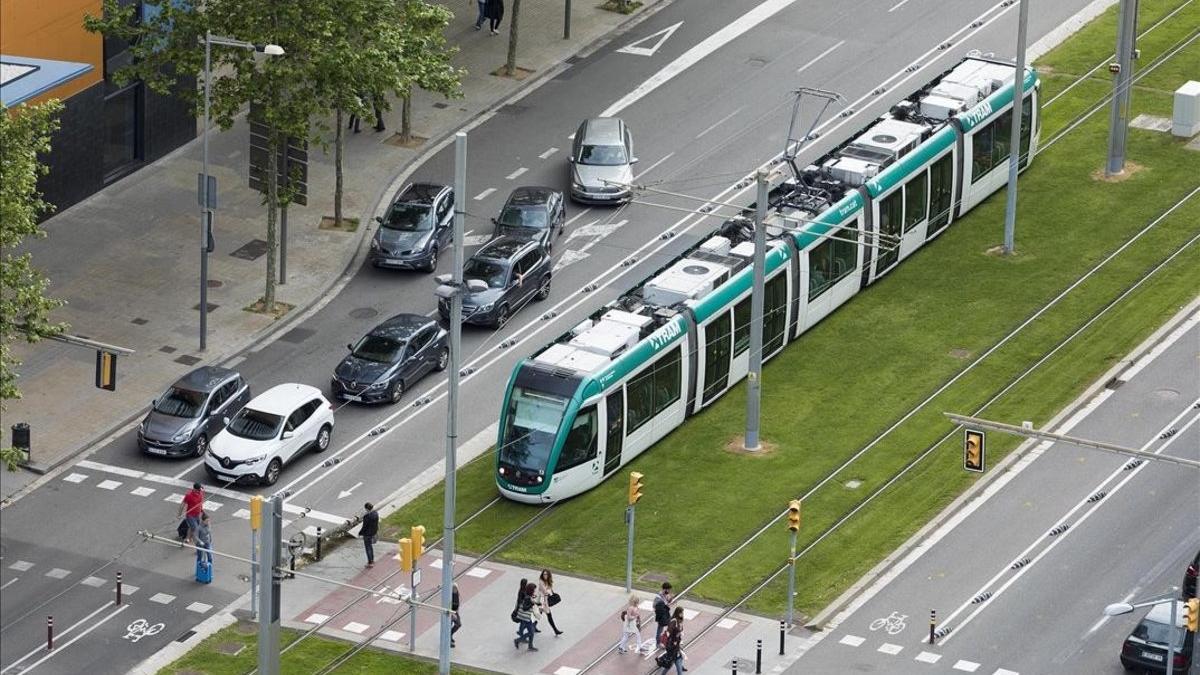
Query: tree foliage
{"type": "Point", "coordinates": [24, 308]}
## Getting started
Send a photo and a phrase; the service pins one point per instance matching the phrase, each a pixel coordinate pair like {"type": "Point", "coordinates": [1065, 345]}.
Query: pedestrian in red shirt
{"type": "Point", "coordinates": [191, 508]}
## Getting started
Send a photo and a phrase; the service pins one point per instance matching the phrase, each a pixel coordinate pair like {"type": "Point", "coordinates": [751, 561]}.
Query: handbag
{"type": "Point", "coordinates": [553, 599]}
{"type": "Point", "coordinates": [514, 616]}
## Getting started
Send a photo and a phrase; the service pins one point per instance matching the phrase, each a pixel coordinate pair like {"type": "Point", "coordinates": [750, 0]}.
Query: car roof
{"type": "Point", "coordinates": [205, 378]}
{"type": "Point", "coordinates": [282, 399]}
{"type": "Point", "coordinates": [420, 193]}
{"type": "Point", "coordinates": [504, 248]}
{"type": "Point", "coordinates": [401, 326]}
{"type": "Point", "coordinates": [1161, 613]}
{"type": "Point", "coordinates": [530, 195]}
{"type": "Point", "coordinates": [603, 131]}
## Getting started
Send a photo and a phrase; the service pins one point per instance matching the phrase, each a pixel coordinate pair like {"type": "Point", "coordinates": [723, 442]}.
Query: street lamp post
{"type": "Point", "coordinates": [207, 200]}
{"type": "Point", "coordinates": [1118, 608]}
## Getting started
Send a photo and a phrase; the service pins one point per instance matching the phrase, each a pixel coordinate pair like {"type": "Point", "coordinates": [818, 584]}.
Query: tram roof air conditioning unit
{"type": "Point", "coordinates": [851, 170]}
{"type": "Point", "coordinates": [607, 338]}
{"type": "Point", "coordinates": [719, 245]}
{"type": "Point", "coordinates": [687, 279]}
{"type": "Point", "coordinates": [629, 318]}
{"type": "Point", "coordinates": [892, 137]}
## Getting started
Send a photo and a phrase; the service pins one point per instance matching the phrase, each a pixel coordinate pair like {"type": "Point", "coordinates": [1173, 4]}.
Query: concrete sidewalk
{"type": "Point", "coordinates": [126, 259]}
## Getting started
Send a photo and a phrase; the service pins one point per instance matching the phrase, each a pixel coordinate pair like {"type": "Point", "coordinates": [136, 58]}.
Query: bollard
{"type": "Point", "coordinates": [319, 531]}
{"type": "Point", "coordinates": [782, 630]}
{"type": "Point", "coordinates": [118, 588]}
{"type": "Point", "coordinates": [735, 666]}
{"type": "Point", "coordinates": [932, 625]}
{"type": "Point", "coordinates": [292, 564]}
{"type": "Point", "coordinates": [757, 657]}
{"type": "Point", "coordinates": [49, 633]}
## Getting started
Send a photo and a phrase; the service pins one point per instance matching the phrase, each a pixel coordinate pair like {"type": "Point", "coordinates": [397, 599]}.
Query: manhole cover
{"type": "Point", "coordinates": [187, 360]}
{"type": "Point", "coordinates": [252, 250]}
{"type": "Point", "coordinates": [364, 313]}
{"type": "Point", "coordinates": [214, 283]}
{"type": "Point", "coordinates": [1165, 394]}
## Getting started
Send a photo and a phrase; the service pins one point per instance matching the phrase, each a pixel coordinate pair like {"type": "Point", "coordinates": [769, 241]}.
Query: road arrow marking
{"type": "Point", "coordinates": [346, 493]}
{"type": "Point", "coordinates": [632, 47]}
{"type": "Point", "coordinates": [594, 229]}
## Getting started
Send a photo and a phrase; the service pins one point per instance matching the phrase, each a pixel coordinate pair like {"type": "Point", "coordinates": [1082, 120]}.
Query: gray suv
{"type": "Point", "coordinates": [602, 154]}
{"type": "Point", "coordinates": [514, 270]}
{"type": "Point", "coordinates": [416, 227]}
{"type": "Point", "coordinates": [182, 421]}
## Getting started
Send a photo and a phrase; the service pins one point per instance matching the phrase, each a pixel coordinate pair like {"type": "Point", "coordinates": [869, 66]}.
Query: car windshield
{"type": "Point", "coordinates": [492, 273]}
{"type": "Point", "coordinates": [379, 348]}
{"type": "Point", "coordinates": [409, 217]}
{"type": "Point", "coordinates": [529, 216]}
{"type": "Point", "coordinates": [530, 427]}
{"type": "Point", "coordinates": [603, 155]}
{"type": "Point", "coordinates": [254, 424]}
{"type": "Point", "coordinates": [181, 403]}
{"type": "Point", "coordinates": [1152, 632]}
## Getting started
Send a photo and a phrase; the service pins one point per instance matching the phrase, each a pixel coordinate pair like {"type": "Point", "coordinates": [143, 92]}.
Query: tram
{"type": "Point", "coordinates": [605, 391]}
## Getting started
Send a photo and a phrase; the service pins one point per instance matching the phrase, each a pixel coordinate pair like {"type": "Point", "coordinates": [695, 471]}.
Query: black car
{"type": "Point", "coordinates": [415, 229]}
{"type": "Point", "coordinates": [1146, 647]}
{"type": "Point", "coordinates": [532, 212]}
{"type": "Point", "coordinates": [192, 411]}
{"type": "Point", "coordinates": [390, 358]}
{"type": "Point", "coordinates": [1189, 578]}
{"type": "Point", "coordinates": [515, 271]}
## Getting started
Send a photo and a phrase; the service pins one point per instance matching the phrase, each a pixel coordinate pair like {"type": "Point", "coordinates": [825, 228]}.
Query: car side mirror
{"type": "Point", "coordinates": [476, 285]}
{"type": "Point", "coordinates": [349, 346]}
{"type": "Point", "coordinates": [286, 435]}
{"type": "Point", "coordinates": [495, 220]}
{"type": "Point", "coordinates": [379, 219]}
{"type": "Point", "coordinates": [154, 403]}
{"type": "Point", "coordinates": [570, 160]}
{"type": "Point", "coordinates": [225, 420]}
{"type": "Point", "coordinates": [634, 160]}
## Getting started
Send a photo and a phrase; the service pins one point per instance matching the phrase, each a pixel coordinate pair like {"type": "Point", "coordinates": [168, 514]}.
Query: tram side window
{"type": "Point", "coordinates": [774, 313]}
{"type": "Point", "coordinates": [653, 390]}
{"type": "Point", "coordinates": [741, 327]}
{"type": "Point", "coordinates": [580, 445]}
{"type": "Point", "coordinates": [989, 147]}
{"type": "Point", "coordinates": [891, 212]}
{"type": "Point", "coordinates": [914, 201]}
{"type": "Point", "coordinates": [716, 356]}
{"type": "Point", "coordinates": [1026, 128]}
{"type": "Point", "coordinates": [941, 194]}
{"type": "Point", "coordinates": [831, 260]}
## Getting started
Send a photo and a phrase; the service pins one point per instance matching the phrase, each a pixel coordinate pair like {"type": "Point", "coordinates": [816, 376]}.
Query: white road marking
{"type": "Point", "coordinates": [94, 582]}
{"type": "Point", "coordinates": [928, 657]}
{"type": "Point", "coordinates": [21, 566]}
{"type": "Point", "coordinates": [10, 582]}
{"type": "Point", "coordinates": [653, 166]}
{"type": "Point", "coordinates": [1005, 671]}
{"type": "Point", "coordinates": [109, 485]}
{"type": "Point", "coordinates": [514, 175]}
{"type": "Point", "coordinates": [852, 640]}
{"type": "Point", "coordinates": [39, 650]}
{"type": "Point", "coordinates": [702, 49]}
{"type": "Point", "coordinates": [142, 491]}
{"type": "Point", "coordinates": [571, 137]}
{"type": "Point", "coordinates": [129, 589]}
{"type": "Point", "coordinates": [475, 240]}
{"type": "Point", "coordinates": [195, 465]}
{"type": "Point", "coordinates": [547, 153]}
{"type": "Point", "coordinates": [212, 506]}
{"type": "Point", "coordinates": [392, 636]}
{"type": "Point", "coordinates": [889, 648]}
{"type": "Point", "coordinates": [58, 573]}
{"type": "Point", "coordinates": [665, 33]}
{"type": "Point", "coordinates": [1104, 619]}
{"type": "Point", "coordinates": [967, 666]}
{"type": "Point", "coordinates": [483, 195]}
{"type": "Point", "coordinates": [355, 627]}
{"type": "Point", "coordinates": [75, 478]}
{"type": "Point", "coordinates": [897, 6]}
{"type": "Point", "coordinates": [173, 497]}
{"type": "Point", "coordinates": [719, 122]}
{"type": "Point", "coordinates": [567, 670]}
{"type": "Point", "coordinates": [481, 573]}
{"type": "Point", "coordinates": [727, 623]}
{"type": "Point", "coordinates": [1159, 348]}
{"type": "Point", "coordinates": [242, 513]}
{"type": "Point", "coordinates": [162, 598]}
{"type": "Point", "coordinates": [594, 229]}
{"type": "Point", "coordinates": [199, 607]}
{"type": "Point", "coordinates": [820, 56]}
{"type": "Point", "coordinates": [61, 648]}
{"type": "Point", "coordinates": [317, 618]}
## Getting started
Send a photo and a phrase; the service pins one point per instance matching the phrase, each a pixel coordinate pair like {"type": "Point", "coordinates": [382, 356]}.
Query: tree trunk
{"type": "Point", "coordinates": [406, 117]}
{"type": "Point", "coordinates": [272, 210]}
{"type": "Point", "coordinates": [510, 68]}
{"type": "Point", "coordinates": [337, 171]}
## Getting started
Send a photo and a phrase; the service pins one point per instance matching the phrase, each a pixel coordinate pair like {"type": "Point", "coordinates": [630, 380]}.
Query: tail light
{"type": "Point", "coordinates": [1127, 648]}
{"type": "Point", "coordinates": [1179, 661]}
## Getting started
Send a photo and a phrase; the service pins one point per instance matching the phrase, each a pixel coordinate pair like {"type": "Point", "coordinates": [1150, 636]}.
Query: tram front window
{"type": "Point", "coordinates": [529, 429]}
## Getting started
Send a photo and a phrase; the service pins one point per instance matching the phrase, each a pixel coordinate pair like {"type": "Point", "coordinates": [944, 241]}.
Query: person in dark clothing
{"type": "Point", "coordinates": [546, 587]}
{"type": "Point", "coordinates": [662, 611]}
{"type": "Point", "coordinates": [455, 620]}
{"type": "Point", "coordinates": [526, 615]}
{"type": "Point", "coordinates": [482, 13]}
{"type": "Point", "coordinates": [673, 655]}
{"type": "Point", "coordinates": [376, 103]}
{"type": "Point", "coordinates": [369, 531]}
{"type": "Point", "coordinates": [494, 10]}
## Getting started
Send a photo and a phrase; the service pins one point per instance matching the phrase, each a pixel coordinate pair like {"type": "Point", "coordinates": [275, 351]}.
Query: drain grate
{"type": "Point", "coordinates": [439, 105]}
{"type": "Point", "coordinates": [185, 636]}
{"type": "Point", "coordinates": [298, 335]}
{"type": "Point", "coordinates": [187, 360]}
{"type": "Point", "coordinates": [167, 349]}
{"type": "Point", "coordinates": [140, 321]}
{"type": "Point", "coordinates": [252, 250]}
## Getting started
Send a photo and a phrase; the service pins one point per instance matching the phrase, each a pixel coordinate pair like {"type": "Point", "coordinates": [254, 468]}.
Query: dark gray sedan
{"type": "Point", "coordinates": [192, 411]}
{"type": "Point", "coordinates": [390, 359]}
{"type": "Point", "coordinates": [415, 228]}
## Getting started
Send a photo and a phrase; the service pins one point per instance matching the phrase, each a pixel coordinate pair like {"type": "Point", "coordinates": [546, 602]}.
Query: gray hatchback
{"type": "Point", "coordinates": [515, 271]}
{"type": "Point", "coordinates": [182, 421]}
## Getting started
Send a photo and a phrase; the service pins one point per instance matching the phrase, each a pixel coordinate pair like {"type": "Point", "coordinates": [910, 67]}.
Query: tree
{"type": "Point", "coordinates": [168, 44]}
{"type": "Point", "coordinates": [424, 58]}
{"type": "Point", "coordinates": [510, 66]}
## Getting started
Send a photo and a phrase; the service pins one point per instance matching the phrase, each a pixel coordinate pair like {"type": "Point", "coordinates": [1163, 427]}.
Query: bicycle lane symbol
{"type": "Point", "coordinates": [140, 629]}
{"type": "Point", "coordinates": [893, 623]}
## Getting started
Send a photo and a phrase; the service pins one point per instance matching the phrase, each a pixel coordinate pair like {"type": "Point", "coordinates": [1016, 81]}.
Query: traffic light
{"type": "Point", "coordinates": [794, 515]}
{"type": "Point", "coordinates": [106, 370]}
{"type": "Point", "coordinates": [256, 508]}
{"type": "Point", "coordinates": [406, 556]}
{"type": "Point", "coordinates": [635, 487]}
{"type": "Point", "coordinates": [418, 541]}
{"type": "Point", "coordinates": [1191, 614]}
{"type": "Point", "coordinates": [973, 450]}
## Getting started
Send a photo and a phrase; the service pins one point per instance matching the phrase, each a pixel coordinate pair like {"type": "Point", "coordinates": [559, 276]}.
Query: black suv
{"type": "Point", "coordinates": [515, 271]}
{"type": "Point", "coordinates": [390, 358]}
{"type": "Point", "coordinates": [532, 212]}
{"type": "Point", "coordinates": [416, 227]}
{"type": "Point", "coordinates": [192, 411]}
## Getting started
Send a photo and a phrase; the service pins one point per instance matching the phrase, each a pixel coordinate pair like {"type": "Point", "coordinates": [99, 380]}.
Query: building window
{"type": "Point", "coordinates": [122, 131]}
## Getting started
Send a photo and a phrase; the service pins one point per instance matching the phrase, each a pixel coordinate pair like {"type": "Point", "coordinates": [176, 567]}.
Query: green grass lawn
{"type": "Point", "coordinates": [861, 369]}
{"type": "Point", "coordinates": [310, 656]}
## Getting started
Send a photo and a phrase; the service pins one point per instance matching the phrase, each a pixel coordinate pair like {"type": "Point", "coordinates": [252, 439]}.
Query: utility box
{"type": "Point", "coordinates": [1186, 115]}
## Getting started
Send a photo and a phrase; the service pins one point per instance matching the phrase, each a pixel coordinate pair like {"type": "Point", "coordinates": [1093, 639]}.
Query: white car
{"type": "Point", "coordinates": [268, 432]}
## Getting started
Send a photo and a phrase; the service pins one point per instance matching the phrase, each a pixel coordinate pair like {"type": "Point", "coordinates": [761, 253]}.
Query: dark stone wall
{"type": "Point", "coordinates": [169, 121]}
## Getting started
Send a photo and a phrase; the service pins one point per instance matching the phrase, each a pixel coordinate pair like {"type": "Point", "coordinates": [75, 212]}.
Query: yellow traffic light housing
{"type": "Point", "coordinates": [793, 515]}
{"type": "Point", "coordinates": [106, 370]}
{"type": "Point", "coordinates": [406, 556]}
{"type": "Point", "coordinates": [418, 541]}
{"type": "Point", "coordinates": [1191, 614]}
{"type": "Point", "coordinates": [256, 509]}
{"type": "Point", "coordinates": [635, 487]}
{"type": "Point", "coordinates": [973, 446]}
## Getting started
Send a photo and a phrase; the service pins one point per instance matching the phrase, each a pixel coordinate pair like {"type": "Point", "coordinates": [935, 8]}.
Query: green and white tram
{"type": "Point", "coordinates": [595, 398]}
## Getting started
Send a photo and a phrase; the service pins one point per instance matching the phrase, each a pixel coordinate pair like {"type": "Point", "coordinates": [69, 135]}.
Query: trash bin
{"type": "Point", "coordinates": [20, 436]}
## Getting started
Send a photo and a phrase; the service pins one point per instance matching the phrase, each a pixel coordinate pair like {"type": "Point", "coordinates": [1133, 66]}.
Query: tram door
{"type": "Point", "coordinates": [615, 414]}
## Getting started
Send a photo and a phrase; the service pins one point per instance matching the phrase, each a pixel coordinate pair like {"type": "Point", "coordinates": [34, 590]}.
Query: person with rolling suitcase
{"type": "Point", "coordinates": [204, 556]}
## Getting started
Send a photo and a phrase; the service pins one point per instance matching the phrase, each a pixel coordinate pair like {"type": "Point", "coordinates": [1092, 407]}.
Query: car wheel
{"type": "Point", "coordinates": [443, 360]}
{"type": "Point", "coordinates": [201, 446]}
{"type": "Point", "coordinates": [397, 391]}
{"type": "Point", "coordinates": [502, 316]}
{"type": "Point", "coordinates": [543, 291]}
{"type": "Point", "coordinates": [273, 471]}
{"type": "Point", "coordinates": [433, 258]}
{"type": "Point", "coordinates": [323, 438]}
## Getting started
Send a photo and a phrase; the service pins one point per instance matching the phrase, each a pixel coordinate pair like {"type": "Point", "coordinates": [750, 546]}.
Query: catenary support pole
{"type": "Point", "coordinates": [754, 377]}
{"type": "Point", "coordinates": [1014, 147]}
{"type": "Point", "coordinates": [268, 609]}
{"type": "Point", "coordinates": [205, 215]}
{"type": "Point", "coordinates": [1118, 118]}
{"type": "Point", "coordinates": [448, 508]}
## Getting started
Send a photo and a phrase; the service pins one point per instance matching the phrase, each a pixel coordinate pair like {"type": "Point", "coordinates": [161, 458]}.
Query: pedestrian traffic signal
{"type": "Point", "coordinates": [794, 515]}
{"type": "Point", "coordinates": [256, 507]}
{"type": "Point", "coordinates": [406, 556]}
{"type": "Point", "coordinates": [973, 450]}
{"type": "Point", "coordinates": [1191, 614]}
{"type": "Point", "coordinates": [418, 541]}
{"type": "Point", "coordinates": [635, 487]}
{"type": "Point", "coordinates": [106, 370]}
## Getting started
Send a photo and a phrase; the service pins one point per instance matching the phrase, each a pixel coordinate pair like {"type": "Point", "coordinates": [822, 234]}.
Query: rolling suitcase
{"type": "Point", "coordinates": [182, 531]}
{"type": "Point", "coordinates": [204, 571]}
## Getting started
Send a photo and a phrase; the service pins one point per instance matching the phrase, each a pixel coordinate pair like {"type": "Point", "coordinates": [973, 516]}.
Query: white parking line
{"type": "Point", "coordinates": [10, 582]}
{"type": "Point", "coordinates": [392, 636]}
{"type": "Point", "coordinates": [720, 122]}
{"type": "Point", "coordinates": [547, 153]}
{"type": "Point", "coordinates": [162, 598]}
{"type": "Point", "coordinates": [483, 195]}
{"type": "Point", "coordinates": [897, 6]}
{"type": "Point", "coordinates": [94, 582]}
{"type": "Point", "coordinates": [514, 175]}
{"type": "Point", "coordinates": [355, 627]}
{"type": "Point", "coordinates": [191, 467]}
{"type": "Point", "coordinates": [21, 566]}
{"type": "Point", "coordinates": [58, 573]}
{"type": "Point", "coordinates": [820, 56]}
{"type": "Point", "coordinates": [653, 166]}
{"type": "Point", "coordinates": [317, 618]}
{"type": "Point", "coordinates": [199, 607]}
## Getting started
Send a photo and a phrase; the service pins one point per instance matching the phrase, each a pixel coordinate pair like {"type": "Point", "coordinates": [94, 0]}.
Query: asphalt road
{"type": "Point", "coordinates": [698, 132]}
{"type": "Point", "coordinates": [1131, 531]}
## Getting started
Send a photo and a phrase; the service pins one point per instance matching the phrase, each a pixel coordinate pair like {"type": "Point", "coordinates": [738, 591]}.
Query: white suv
{"type": "Point", "coordinates": [272, 429]}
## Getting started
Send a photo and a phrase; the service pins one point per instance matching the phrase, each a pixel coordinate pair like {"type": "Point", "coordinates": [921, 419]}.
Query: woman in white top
{"type": "Point", "coordinates": [549, 598]}
{"type": "Point", "coordinates": [631, 626]}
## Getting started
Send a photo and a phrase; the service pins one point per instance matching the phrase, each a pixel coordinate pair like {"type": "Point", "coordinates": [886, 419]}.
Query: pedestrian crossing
{"type": "Point", "coordinates": [924, 656]}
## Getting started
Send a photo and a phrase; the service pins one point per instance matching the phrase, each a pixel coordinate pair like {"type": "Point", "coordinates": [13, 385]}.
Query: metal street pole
{"type": "Point", "coordinates": [1014, 147]}
{"type": "Point", "coordinates": [268, 607]}
{"type": "Point", "coordinates": [791, 579]}
{"type": "Point", "coordinates": [448, 508]}
{"type": "Point", "coordinates": [205, 213]}
{"type": "Point", "coordinates": [754, 377]}
{"type": "Point", "coordinates": [629, 550]}
{"type": "Point", "coordinates": [1171, 637]}
{"type": "Point", "coordinates": [567, 20]}
{"type": "Point", "coordinates": [1118, 118]}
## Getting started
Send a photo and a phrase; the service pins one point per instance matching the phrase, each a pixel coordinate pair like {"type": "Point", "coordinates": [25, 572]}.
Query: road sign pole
{"type": "Point", "coordinates": [1171, 637]}
{"type": "Point", "coordinates": [268, 609]}
{"type": "Point", "coordinates": [791, 599]}
{"type": "Point", "coordinates": [1014, 148]}
{"type": "Point", "coordinates": [629, 550]}
{"type": "Point", "coordinates": [412, 611]}
{"type": "Point", "coordinates": [754, 377]}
